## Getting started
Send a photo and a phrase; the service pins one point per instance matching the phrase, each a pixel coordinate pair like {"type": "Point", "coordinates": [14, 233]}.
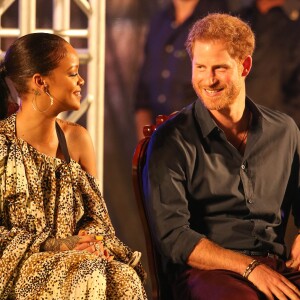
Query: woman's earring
{"type": "Point", "coordinates": [34, 102]}
{"type": "Point", "coordinates": [36, 93]}
{"type": "Point", "coordinates": [51, 98]}
{"type": "Point", "coordinates": [48, 94]}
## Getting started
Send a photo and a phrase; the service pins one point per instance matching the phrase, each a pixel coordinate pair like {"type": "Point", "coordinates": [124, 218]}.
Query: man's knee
{"type": "Point", "coordinates": [217, 284]}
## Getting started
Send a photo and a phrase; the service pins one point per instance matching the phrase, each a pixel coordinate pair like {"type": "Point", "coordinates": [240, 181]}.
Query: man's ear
{"type": "Point", "coordinates": [247, 64]}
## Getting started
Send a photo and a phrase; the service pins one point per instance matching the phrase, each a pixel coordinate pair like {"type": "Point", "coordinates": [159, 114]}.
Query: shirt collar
{"type": "Point", "coordinates": [204, 119]}
{"type": "Point", "coordinates": [207, 123]}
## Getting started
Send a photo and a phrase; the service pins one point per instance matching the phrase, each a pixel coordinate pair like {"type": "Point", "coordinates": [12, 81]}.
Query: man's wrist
{"type": "Point", "coordinates": [254, 263]}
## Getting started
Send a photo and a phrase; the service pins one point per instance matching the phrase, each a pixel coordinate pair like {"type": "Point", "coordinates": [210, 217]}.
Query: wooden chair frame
{"type": "Point", "coordinates": [160, 288]}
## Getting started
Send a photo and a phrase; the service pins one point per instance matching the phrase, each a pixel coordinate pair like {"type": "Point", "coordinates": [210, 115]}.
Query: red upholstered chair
{"type": "Point", "coordinates": [159, 284]}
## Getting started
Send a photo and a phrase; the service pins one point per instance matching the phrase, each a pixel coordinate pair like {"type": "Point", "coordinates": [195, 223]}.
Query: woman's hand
{"type": "Point", "coordinates": [94, 245]}
{"type": "Point", "coordinates": [80, 242]}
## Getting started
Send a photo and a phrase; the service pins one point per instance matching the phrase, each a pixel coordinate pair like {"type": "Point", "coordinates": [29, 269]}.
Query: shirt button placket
{"type": "Point", "coordinates": [246, 182]}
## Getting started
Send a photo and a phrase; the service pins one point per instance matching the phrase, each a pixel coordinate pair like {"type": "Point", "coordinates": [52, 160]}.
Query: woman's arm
{"type": "Point", "coordinates": [80, 242]}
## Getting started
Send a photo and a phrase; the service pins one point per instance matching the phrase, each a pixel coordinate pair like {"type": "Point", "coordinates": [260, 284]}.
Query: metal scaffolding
{"type": "Point", "coordinates": [93, 56]}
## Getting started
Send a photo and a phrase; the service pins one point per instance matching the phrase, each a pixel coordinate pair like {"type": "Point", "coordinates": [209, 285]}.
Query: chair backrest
{"type": "Point", "coordinates": [12, 108]}
{"type": "Point", "coordinates": [160, 289]}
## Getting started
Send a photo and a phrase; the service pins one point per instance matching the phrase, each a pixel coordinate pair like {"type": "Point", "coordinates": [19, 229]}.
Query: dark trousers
{"type": "Point", "coordinates": [195, 284]}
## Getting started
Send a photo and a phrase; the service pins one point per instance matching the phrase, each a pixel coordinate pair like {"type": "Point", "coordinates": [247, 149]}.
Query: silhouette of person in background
{"type": "Point", "coordinates": [275, 77]}
{"type": "Point", "coordinates": [164, 85]}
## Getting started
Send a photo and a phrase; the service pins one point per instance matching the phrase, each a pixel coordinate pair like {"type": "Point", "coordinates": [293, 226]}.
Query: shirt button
{"type": "Point", "coordinates": [165, 74]}
{"type": "Point", "coordinates": [161, 98]}
{"type": "Point", "coordinates": [169, 48]}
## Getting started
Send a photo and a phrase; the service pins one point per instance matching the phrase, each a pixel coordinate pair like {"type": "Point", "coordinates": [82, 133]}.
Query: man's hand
{"type": "Point", "coordinates": [209, 256]}
{"type": "Point", "coordinates": [273, 284]}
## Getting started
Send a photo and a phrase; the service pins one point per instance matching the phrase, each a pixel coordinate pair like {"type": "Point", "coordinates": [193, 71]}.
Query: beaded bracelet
{"type": "Point", "coordinates": [254, 263]}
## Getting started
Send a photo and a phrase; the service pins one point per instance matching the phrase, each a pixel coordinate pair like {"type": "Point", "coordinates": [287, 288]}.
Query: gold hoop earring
{"type": "Point", "coordinates": [36, 93]}
{"type": "Point", "coordinates": [48, 94]}
{"type": "Point", "coordinates": [51, 98]}
{"type": "Point", "coordinates": [34, 103]}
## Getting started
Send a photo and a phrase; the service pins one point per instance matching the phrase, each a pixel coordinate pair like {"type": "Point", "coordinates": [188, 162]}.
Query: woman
{"type": "Point", "coordinates": [56, 238]}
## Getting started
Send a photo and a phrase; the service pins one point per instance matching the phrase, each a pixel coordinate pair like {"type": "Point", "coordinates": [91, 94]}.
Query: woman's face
{"type": "Point", "coordinates": [64, 82]}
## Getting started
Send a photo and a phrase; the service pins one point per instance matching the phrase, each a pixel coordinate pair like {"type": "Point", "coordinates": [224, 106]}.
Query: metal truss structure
{"type": "Point", "coordinates": [93, 56]}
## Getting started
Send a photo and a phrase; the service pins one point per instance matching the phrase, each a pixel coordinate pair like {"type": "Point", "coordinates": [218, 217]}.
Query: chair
{"type": "Point", "coordinates": [159, 283]}
{"type": "Point", "coordinates": [12, 108]}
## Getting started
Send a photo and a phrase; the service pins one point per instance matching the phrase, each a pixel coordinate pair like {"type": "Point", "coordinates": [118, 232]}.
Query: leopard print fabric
{"type": "Point", "coordinates": [41, 197]}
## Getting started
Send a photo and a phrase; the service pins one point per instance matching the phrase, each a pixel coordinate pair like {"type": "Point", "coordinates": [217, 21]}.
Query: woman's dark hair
{"type": "Point", "coordinates": [30, 54]}
{"type": "Point", "coordinates": [4, 92]}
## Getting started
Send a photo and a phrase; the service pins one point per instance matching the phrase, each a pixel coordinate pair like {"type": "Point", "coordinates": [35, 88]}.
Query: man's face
{"type": "Point", "coordinates": [217, 77]}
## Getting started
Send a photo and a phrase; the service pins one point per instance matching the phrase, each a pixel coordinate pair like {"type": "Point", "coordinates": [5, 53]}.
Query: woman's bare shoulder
{"type": "Point", "coordinates": [80, 145]}
{"type": "Point", "coordinates": [73, 130]}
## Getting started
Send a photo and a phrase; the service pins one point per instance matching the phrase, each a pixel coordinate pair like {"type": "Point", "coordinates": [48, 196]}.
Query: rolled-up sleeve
{"type": "Point", "coordinates": [164, 180]}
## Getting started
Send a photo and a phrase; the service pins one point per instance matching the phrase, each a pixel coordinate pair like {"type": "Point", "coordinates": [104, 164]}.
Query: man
{"type": "Point", "coordinates": [164, 84]}
{"type": "Point", "coordinates": [221, 177]}
{"type": "Point", "coordinates": [276, 61]}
